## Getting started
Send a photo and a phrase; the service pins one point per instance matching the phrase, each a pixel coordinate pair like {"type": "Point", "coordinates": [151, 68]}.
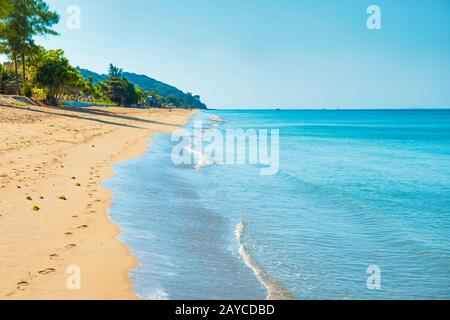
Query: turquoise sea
{"type": "Point", "coordinates": [355, 189]}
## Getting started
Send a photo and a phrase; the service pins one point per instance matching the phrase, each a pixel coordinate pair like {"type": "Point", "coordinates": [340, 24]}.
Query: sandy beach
{"type": "Point", "coordinates": [53, 209]}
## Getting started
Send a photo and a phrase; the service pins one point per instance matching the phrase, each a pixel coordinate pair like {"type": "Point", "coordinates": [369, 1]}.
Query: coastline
{"type": "Point", "coordinates": [148, 276]}
{"type": "Point", "coordinates": [53, 209]}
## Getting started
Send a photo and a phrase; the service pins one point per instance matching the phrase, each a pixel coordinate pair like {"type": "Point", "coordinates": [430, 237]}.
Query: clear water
{"type": "Point", "coordinates": [355, 188]}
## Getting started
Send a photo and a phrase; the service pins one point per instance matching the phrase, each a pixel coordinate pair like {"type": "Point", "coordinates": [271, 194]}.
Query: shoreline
{"type": "Point", "coordinates": [274, 290]}
{"type": "Point", "coordinates": [53, 207]}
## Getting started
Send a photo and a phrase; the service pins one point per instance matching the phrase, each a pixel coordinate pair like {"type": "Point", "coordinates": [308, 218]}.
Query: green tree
{"type": "Point", "coordinates": [25, 20]}
{"type": "Point", "coordinates": [102, 91]}
{"type": "Point", "coordinates": [35, 59]}
{"type": "Point", "coordinates": [75, 86]}
{"type": "Point", "coordinates": [5, 6]}
{"type": "Point", "coordinates": [172, 101]}
{"type": "Point", "coordinates": [142, 95]}
{"type": "Point", "coordinates": [56, 76]}
{"type": "Point", "coordinates": [89, 89]}
{"type": "Point", "coordinates": [122, 92]}
{"type": "Point", "coordinates": [41, 21]}
{"type": "Point", "coordinates": [114, 72]}
{"type": "Point", "coordinates": [6, 79]}
{"type": "Point", "coordinates": [12, 28]}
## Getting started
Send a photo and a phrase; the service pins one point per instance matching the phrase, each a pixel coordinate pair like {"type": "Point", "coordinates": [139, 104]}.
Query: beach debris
{"type": "Point", "coordinates": [36, 208]}
{"type": "Point", "coordinates": [78, 184]}
{"type": "Point", "coordinates": [73, 178]}
{"type": "Point", "coordinates": [41, 197]}
{"type": "Point", "coordinates": [29, 198]}
{"type": "Point", "coordinates": [18, 187]}
{"type": "Point", "coordinates": [93, 146]}
{"type": "Point", "coordinates": [62, 198]}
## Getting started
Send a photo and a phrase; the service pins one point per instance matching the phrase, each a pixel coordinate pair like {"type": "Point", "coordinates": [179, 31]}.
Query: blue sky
{"type": "Point", "coordinates": [259, 53]}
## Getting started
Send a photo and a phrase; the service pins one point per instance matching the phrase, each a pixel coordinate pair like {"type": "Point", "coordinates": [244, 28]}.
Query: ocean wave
{"type": "Point", "coordinates": [274, 290]}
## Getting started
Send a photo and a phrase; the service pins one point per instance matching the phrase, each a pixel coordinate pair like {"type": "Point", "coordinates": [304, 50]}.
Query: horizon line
{"type": "Point", "coordinates": [330, 109]}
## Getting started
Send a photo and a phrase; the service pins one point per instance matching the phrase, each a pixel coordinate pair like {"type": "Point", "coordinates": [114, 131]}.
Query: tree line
{"type": "Point", "coordinates": [47, 75]}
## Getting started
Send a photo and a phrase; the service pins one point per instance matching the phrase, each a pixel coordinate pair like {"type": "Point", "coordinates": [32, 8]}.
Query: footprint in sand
{"type": "Point", "coordinates": [22, 285]}
{"type": "Point", "coordinates": [47, 271]}
{"type": "Point", "coordinates": [83, 227]}
{"type": "Point", "coordinates": [68, 234]}
{"type": "Point", "coordinates": [70, 246]}
{"type": "Point", "coordinates": [53, 256]}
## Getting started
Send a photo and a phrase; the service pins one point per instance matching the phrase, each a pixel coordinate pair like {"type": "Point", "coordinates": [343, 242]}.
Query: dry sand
{"type": "Point", "coordinates": [51, 154]}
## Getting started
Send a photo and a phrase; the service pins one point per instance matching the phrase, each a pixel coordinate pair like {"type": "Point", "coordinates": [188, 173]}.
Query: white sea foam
{"type": "Point", "coordinates": [274, 291]}
{"type": "Point", "coordinates": [154, 294]}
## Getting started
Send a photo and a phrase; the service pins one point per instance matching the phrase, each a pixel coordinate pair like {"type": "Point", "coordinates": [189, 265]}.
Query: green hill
{"type": "Point", "coordinates": [95, 76]}
{"type": "Point", "coordinates": [150, 84]}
